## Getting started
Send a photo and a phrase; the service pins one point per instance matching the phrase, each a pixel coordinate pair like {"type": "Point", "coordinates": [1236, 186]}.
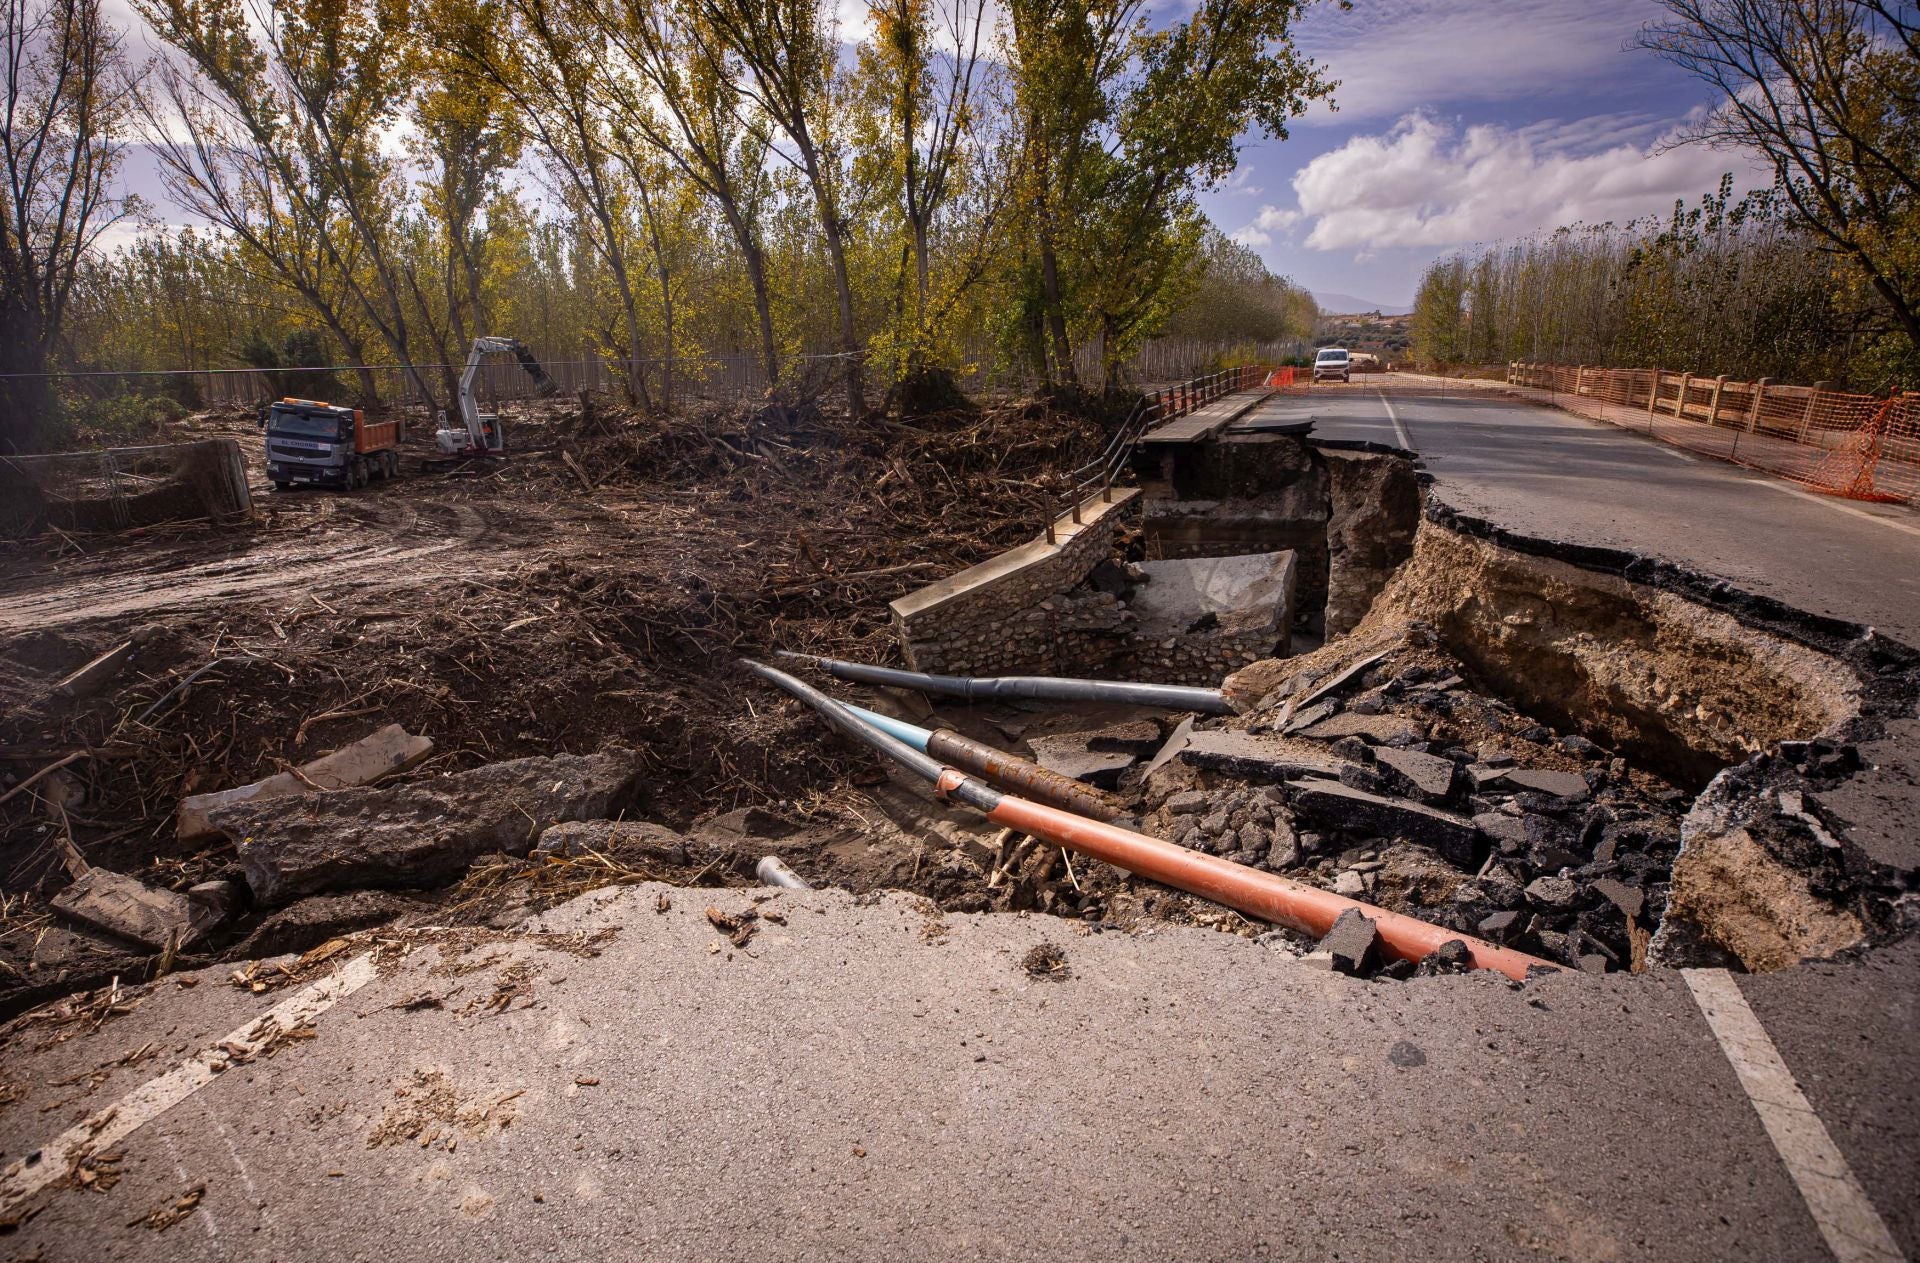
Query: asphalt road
{"type": "Point", "coordinates": [1551, 474]}
{"type": "Point", "coordinates": [870, 1080]}
{"type": "Point", "coordinates": [873, 1080]}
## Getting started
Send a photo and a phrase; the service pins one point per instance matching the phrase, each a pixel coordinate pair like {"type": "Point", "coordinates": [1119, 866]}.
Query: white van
{"type": "Point", "coordinates": [1333, 361]}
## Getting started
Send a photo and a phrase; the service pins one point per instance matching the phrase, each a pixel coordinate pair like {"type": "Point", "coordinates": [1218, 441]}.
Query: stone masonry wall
{"type": "Point", "coordinates": [1202, 660]}
{"type": "Point", "coordinates": [1028, 620]}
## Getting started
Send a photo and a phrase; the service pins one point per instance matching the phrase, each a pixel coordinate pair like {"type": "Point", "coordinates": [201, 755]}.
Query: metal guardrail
{"type": "Point", "coordinates": [1155, 409]}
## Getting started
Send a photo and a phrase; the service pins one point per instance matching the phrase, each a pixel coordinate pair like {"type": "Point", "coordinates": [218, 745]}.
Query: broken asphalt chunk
{"type": "Point", "coordinates": [381, 753]}
{"type": "Point", "coordinates": [1378, 729]}
{"type": "Point", "coordinates": [1452, 836]}
{"type": "Point", "coordinates": [1351, 942]}
{"type": "Point", "coordinates": [1352, 671]}
{"type": "Point", "coordinates": [1072, 755]}
{"type": "Point", "coordinates": [421, 833]}
{"type": "Point", "coordinates": [1629, 899]}
{"type": "Point", "coordinates": [1558, 784]}
{"type": "Point", "coordinates": [1256, 756]}
{"type": "Point", "coordinates": [1428, 774]}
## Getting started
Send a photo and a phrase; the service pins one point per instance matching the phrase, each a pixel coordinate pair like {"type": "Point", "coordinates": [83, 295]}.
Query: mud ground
{"type": "Point", "coordinates": [593, 588]}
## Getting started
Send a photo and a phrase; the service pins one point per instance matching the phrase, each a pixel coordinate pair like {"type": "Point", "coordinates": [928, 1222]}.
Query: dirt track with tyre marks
{"type": "Point", "coordinates": [333, 537]}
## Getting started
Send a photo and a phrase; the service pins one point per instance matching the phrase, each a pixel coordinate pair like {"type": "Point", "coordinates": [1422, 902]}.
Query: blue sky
{"type": "Point", "coordinates": [1458, 122]}
{"type": "Point", "coordinates": [1465, 121]}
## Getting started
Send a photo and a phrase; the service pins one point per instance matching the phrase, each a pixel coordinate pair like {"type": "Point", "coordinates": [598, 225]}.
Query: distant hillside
{"type": "Point", "coordinates": [1389, 337]}
{"type": "Point", "coordinates": [1347, 304]}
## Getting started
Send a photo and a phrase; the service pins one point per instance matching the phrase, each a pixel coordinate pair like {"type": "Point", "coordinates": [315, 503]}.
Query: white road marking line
{"type": "Point", "coordinates": [204, 1213]}
{"type": "Point", "coordinates": [108, 1127]}
{"type": "Point", "coordinates": [1846, 1218]}
{"type": "Point", "coordinates": [1830, 503]}
{"type": "Point", "coordinates": [1676, 453]}
{"type": "Point", "coordinates": [1399, 429]}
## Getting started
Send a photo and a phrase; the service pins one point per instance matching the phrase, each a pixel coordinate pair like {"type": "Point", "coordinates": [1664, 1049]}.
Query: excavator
{"type": "Point", "coordinates": [480, 433]}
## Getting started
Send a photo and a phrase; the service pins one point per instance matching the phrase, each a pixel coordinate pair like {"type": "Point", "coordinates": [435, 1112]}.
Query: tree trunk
{"type": "Point", "coordinates": [843, 293]}
{"type": "Point", "coordinates": [756, 260]}
{"type": "Point", "coordinates": [666, 297]}
{"type": "Point", "coordinates": [26, 403]}
{"type": "Point", "coordinates": [1061, 349]}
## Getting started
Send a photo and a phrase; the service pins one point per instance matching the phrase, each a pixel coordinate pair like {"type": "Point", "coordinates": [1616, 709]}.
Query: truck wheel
{"type": "Point", "coordinates": [356, 475]}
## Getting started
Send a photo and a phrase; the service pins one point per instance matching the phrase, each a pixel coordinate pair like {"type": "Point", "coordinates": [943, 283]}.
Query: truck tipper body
{"type": "Point", "coordinates": [313, 444]}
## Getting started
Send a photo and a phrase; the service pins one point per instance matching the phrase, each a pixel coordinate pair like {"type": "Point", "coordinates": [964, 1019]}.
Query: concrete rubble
{"type": "Point", "coordinates": [1212, 613]}
{"type": "Point", "coordinates": [423, 833]}
{"type": "Point", "coordinates": [128, 908]}
{"type": "Point", "coordinates": [1383, 775]}
{"type": "Point", "coordinates": [385, 752]}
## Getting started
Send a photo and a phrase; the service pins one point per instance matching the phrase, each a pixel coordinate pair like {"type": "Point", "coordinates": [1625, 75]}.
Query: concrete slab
{"type": "Point", "coordinates": [999, 569]}
{"type": "Point", "coordinates": [1247, 593]}
{"type": "Point", "coordinates": [1204, 422]}
{"type": "Point", "coordinates": [384, 752]}
{"type": "Point", "coordinates": [870, 1077]}
{"type": "Point", "coordinates": [127, 908]}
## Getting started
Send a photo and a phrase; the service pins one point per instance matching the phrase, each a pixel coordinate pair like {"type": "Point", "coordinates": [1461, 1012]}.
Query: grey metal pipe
{"type": "Point", "coordinates": [1269, 896]}
{"type": "Point", "coordinates": [1034, 687]}
{"type": "Point", "coordinates": [773, 871]}
{"type": "Point", "coordinates": [849, 724]}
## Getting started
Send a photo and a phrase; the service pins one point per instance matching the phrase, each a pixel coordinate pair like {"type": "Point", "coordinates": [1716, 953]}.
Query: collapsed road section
{"type": "Point", "coordinates": [1551, 760]}
{"type": "Point", "coordinates": [1302, 727]}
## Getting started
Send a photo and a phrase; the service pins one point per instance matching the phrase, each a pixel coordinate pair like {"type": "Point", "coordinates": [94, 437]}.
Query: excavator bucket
{"type": "Point", "coordinates": [543, 385]}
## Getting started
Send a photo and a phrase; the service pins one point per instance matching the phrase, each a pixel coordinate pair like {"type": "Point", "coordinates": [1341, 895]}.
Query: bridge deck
{"type": "Point", "coordinates": [1204, 422]}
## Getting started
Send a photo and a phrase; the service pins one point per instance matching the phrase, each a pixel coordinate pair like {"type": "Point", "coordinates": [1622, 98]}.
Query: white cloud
{"type": "Point", "coordinates": [1241, 183]}
{"type": "Point", "coordinates": [1424, 183]}
{"type": "Point", "coordinates": [1270, 220]}
{"type": "Point", "coordinates": [1392, 56]}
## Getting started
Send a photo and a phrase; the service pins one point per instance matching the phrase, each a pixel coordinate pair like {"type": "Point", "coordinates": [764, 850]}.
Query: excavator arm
{"type": "Point", "coordinates": [483, 432]}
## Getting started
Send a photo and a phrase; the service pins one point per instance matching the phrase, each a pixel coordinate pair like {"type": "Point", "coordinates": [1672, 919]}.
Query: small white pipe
{"type": "Point", "coordinates": [773, 871]}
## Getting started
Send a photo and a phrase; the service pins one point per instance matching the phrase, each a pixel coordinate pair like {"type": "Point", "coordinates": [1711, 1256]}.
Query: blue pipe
{"type": "Point", "coordinates": [898, 729]}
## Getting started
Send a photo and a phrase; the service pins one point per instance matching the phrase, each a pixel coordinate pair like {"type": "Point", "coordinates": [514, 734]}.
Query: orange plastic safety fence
{"type": "Point", "coordinates": [1837, 442]}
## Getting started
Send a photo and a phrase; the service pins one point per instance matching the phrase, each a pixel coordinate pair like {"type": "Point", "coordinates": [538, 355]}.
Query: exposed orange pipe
{"type": "Point", "coordinates": [1268, 896]}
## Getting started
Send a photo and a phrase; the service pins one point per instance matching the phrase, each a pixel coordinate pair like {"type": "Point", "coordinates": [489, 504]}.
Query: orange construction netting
{"type": "Point", "coordinates": [1858, 446]}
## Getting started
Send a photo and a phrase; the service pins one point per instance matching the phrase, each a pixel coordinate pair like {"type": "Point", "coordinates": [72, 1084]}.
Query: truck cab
{"type": "Point", "coordinates": [313, 443]}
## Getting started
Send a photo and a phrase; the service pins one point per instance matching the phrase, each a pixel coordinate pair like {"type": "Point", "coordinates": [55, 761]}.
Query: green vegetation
{"type": "Point", "coordinates": [664, 184]}
{"type": "Point", "coordinates": [1722, 287]}
{"type": "Point", "coordinates": [1814, 279]}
